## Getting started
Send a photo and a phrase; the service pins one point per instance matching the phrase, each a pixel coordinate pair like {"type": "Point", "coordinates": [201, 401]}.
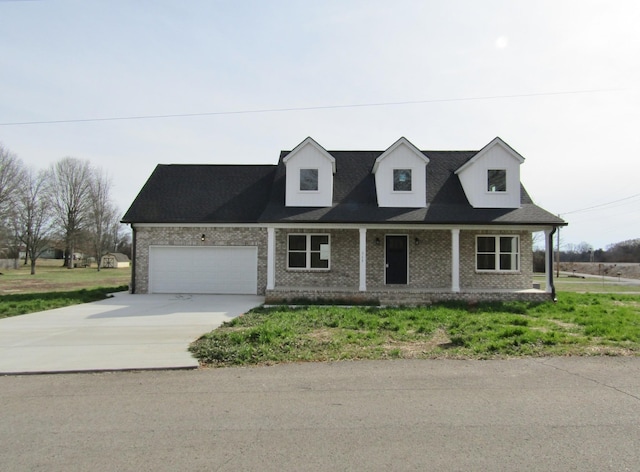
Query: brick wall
{"type": "Point", "coordinates": [344, 261]}
{"type": "Point", "coordinates": [471, 279]}
{"type": "Point", "coordinates": [429, 260]}
{"type": "Point", "coordinates": [398, 297]}
{"type": "Point", "coordinates": [183, 236]}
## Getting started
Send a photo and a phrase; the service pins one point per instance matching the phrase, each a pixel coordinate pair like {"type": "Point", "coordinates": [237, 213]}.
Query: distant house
{"type": "Point", "coordinates": [49, 253]}
{"type": "Point", "coordinates": [399, 226]}
{"type": "Point", "coordinates": [115, 260]}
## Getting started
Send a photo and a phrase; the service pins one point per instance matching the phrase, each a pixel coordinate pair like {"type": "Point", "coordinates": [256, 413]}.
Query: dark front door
{"type": "Point", "coordinates": [396, 260]}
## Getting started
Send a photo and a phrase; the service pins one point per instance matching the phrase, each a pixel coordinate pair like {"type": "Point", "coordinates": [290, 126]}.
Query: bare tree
{"type": "Point", "coordinates": [11, 175]}
{"type": "Point", "coordinates": [33, 216]}
{"type": "Point", "coordinates": [122, 238]}
{"type": "Point", "coordinates": [103, 216]}
{"type": "Point", "coordinates": [69, 185]}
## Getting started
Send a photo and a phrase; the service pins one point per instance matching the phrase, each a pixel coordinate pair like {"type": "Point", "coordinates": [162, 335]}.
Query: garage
{"type": "Point", "coordinates": [216, 270]}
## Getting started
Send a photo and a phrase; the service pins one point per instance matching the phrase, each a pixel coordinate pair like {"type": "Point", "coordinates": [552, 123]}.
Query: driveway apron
{"type": "Point", "coordinates": [126, 332]}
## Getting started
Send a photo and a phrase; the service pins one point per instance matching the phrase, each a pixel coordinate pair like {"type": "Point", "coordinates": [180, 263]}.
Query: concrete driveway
{"type": "Point", "coordinates": [126, 332]}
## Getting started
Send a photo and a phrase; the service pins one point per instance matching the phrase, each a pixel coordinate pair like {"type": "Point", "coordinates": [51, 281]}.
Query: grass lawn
{"type": "Point", "coordinates": [588, 284]}
{"type": "Point", "coordinates": [54, 286]}
{"type": "Point", "coordinates": [50, 276]}
{"type": "Point", "coordinates": [579, 324]}
{"type": "Point", "coordinates": [22, 303]}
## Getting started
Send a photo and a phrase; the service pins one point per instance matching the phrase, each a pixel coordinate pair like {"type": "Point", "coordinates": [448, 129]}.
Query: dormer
{"type": "Point", "coordinates": [309, 176]}
{"type": "Point", "coordinates": [491, 178]}
{"type": "Point", "coordinates": [401, 176]}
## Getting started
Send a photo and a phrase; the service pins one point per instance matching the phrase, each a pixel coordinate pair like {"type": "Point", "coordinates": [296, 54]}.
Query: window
{"type": "Point", "coordinates": [308, 179]}
{"type": "Point", "coordinates": [308, 251]}
{"type": "Point", "coordinates": [497, 180]}
{"type": "Point", "coordinates": [498, 253]}
{"type": "Point", "coordinates": [401, 180]}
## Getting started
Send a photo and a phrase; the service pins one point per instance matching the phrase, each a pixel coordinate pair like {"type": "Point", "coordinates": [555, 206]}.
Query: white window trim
{"type": "Point", "coordinates": [411, 171]}
{"type": "Point", "coordinates": [300, 190]}
{"type": "Point", "coordinates": [308, 252]}
{"type": "Point", "coordinates": [498, 253]}
{"type": "Point", "coordinates": [506, 183]}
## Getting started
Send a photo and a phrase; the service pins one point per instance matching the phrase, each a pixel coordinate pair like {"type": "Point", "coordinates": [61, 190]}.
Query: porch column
{"type": "Point", "coordinates": [548, 259]}
{"type": "Point", "coordinates": [455, 260]}
{"type": "Point", "coordinates": [271, 258]}
{"type": "Point", "coordinates": [363, 260]}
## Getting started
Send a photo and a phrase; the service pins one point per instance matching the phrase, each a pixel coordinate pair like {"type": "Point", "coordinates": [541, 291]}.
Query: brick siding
{"type": "Point", "coordinates": [344, 261]}
{"type": "Point", "coordinates": [190, 236]}
{"type": "Point", "coordinates": [471, 279]}
{"type": "Point", "coordinates": [399, 297]}
{"type": "Point", "coordinates": [429, 276]}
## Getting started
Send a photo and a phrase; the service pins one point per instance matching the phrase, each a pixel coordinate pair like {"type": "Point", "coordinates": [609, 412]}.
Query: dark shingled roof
{"type": "Point", "coordinates": [256, 194]}
{"type": "Point", "coordinates": [202, 194]}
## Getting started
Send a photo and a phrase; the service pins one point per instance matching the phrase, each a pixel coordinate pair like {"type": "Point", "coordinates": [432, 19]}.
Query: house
{"type": "Point", "coordinates": [400, 226]}
{"type": "Point", "coordinates": [115, 260]}
{"type": "Point", "coordinates": [47, 253]}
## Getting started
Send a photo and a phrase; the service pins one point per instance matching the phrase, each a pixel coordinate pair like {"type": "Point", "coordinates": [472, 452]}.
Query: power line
{"type": "Point", "coordinates": [629, 217]}
{"type": "Point", "coordinates": [291, 109]}
{"type": "Point", "coordinates": [600, 205]}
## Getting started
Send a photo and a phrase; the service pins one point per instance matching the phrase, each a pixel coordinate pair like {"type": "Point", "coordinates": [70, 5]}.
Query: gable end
{"type": "Point", "coordinates": [491, 178]}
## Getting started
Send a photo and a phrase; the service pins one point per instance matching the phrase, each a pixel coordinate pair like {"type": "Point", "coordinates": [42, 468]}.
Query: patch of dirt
{"type": "Point", "coordinates": [415, 349]}
{"type": "Point", "coordinates": [610, 351]}
{"type": "Point", "coordinates": [626, 303]}
{"type": "Point", "coordinates": [322, 335]}
{"type": "Point", "coordinates": [564, 325]}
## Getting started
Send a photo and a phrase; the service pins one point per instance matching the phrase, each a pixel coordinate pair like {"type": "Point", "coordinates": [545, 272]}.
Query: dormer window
{"type": "Point", "coordinates": [496, 180]}
{"type": "Point", "coordinates": [309, 180]}
{"type": "Point", "coordinates": [402, 180]}
{"type": "Point", "coordinates": [309, 171]}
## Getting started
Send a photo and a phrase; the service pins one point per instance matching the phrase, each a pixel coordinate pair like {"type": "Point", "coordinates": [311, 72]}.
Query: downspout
{"type": "Point", "coordinates": [550, 263]}
{"type": "Point", "coordinates": [132, 289]}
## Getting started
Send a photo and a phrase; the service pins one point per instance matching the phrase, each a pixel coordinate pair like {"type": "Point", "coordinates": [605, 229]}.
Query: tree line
{"type": "Point", "coordinates": [67, 207]}
{"type": "Point", "coordinates": [624, 251]}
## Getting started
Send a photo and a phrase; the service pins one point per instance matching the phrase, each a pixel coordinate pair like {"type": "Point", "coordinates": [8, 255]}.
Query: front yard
{"type": "Point", "coordinates": [51, 276]}
{"type": "Point", "coordinates": [579, 324]}
{"type": "Point", "coordinates": [54, 286]}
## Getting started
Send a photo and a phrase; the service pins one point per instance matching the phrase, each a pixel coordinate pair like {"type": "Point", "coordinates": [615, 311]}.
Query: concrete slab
{"type": "Point", "coordinates": [126, 332]}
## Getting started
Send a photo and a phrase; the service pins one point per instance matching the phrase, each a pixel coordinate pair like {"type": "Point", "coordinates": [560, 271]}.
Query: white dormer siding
{"type": "Point", "coordinates": [491, 179]}
{"type": "Point", "coordinates": [309, 176]}
{"type": "Point", "coordinates": [401, 176]}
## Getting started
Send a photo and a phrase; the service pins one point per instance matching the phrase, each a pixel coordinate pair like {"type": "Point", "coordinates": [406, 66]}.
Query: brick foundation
{"type": "Point", "coordinates": [399, 297]}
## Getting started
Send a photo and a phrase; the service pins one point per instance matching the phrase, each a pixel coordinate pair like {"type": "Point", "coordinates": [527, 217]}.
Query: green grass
{"type": "Point", "coordinates": [576, 325]}
{"type": "Point", "coordinates": [20, 304]}
{"type": "Point", "coordinates": [51, 276]}
{"type": "Point", "coordinates": [589, 284]}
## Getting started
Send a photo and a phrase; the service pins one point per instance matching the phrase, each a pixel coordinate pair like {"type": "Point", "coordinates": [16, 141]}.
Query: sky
{"type": "Point", "coordinates": [131, 84]}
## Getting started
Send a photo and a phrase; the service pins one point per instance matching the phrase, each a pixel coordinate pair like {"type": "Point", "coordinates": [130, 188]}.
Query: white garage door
{"type": "Point", "coordinates": [232, 270]}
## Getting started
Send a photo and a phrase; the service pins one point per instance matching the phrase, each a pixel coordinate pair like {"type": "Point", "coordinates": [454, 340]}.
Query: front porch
{"type": "Point", "coordinates": [440, 264]}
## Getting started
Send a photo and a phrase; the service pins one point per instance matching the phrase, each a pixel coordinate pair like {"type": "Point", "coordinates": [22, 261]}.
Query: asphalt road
{"type": "Point", "coordinates": [547, 414]}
